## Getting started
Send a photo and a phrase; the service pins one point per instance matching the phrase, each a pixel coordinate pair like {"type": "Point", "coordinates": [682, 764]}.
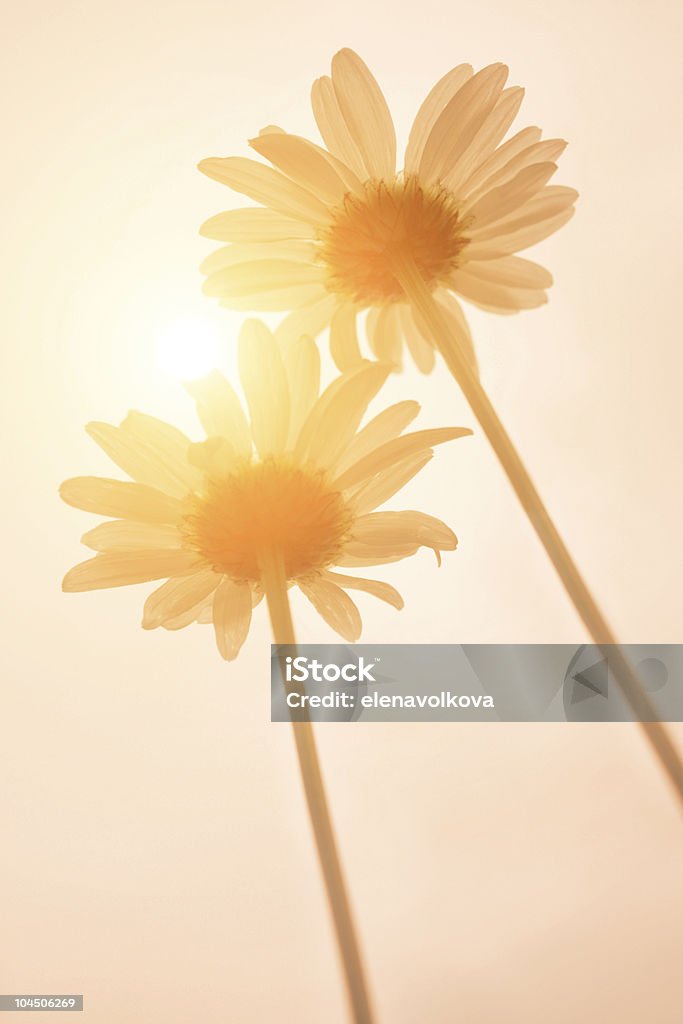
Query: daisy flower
{"type": "Point", "coordinates": [339, 228]}
{"type": "Point", "coordinates": [295, 482]}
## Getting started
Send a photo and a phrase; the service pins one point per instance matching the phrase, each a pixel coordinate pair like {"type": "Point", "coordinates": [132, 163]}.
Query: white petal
{"type": "Point", "coordinates": [249, 279]}
{"type": "Point", "coordinates": [214, 457]}
{"type": "Point", "coordinates": [124, 535]}
{"type": "Point", "coordinates": [290, 250]}
{"type": "Point", "coordinates": [506, 199]}
{"type": "Point", "coordinates": [302, 367]}
{"type": "Point", "coordinates": [520, 239]}
{"type": "Point", "coordinates": [266, 186]}
{"type": "Point", "coordinates": [220, 411]}
{"type": "Point", "coordinates": [444, 91]}
{"type": "Point", "coordinates": [177, 596]}
{"type": "Point", "coordinates": [276, 300]}
{"type": "Point", "coordinates": [420, 348]}
{"type": "Point", "coordinates": [486, 139]}
{"type": "Point", "coordinates": [344, 347]}
{"type": "Point", "coordinates": [400, 448]}
{"type": "Point", "coordinates": [387, 425]}
{"type": "Point", "coordinates": [499, 158]}
{"type": "Point", "coordinates": [511, 272]}
{"type": "Point", "coordinates": [120, 499]}
{"type": "Point", "coordinates": [265, 385]}
{"type": "Point", "coordinates": [384, 334]}
{"type": "Point", "coordinates": [365, 112]}
{"type": "Point", "coordinates": [232, 605]}
{"type": "Point", "coordinates": [457, 324]}
{"type": "Point", "coordinates": [379, 589]}
{"type": "Point", "coordinates": [548, 203]}
{"type": "Point", "coordinates": [493, 297]}
{"type": "Point", "coordinates": [389, 532]}
{"type": "Point", "coordinates": [388, 482]}
{"type": "Point", "coordinates": [127, 567]}
{"type": "Point", "coordinates": [459, 122]}
{"type": "Point", "coordinates": [305, 164]}
{"type": "Point", "coordinates": [538, 152]}
{"type": "Point", "coordinates": [309, 320]}
{"type": "Point", "coordinates": [335, 607]}
{"type": "Point", "coordinates": [255, 225]}
{"type": "Point", "coordinates": [149, 451]}
{"type": "Point", "coordinates": [332, 126]}
{"type": "Point", "coordinates": [329, 430]}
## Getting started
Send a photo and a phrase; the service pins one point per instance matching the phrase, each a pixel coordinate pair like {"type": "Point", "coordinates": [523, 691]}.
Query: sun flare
{"type": "Point", "coordinates": [187, 348]}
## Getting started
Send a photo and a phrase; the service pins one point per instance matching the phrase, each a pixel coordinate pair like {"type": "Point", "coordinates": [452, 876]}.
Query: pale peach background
{"type": "Point", "coordinates": [155, 850]}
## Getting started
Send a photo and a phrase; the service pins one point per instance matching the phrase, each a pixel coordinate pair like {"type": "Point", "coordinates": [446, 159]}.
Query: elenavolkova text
{"type": "Point", "coordinates": [343, 699]}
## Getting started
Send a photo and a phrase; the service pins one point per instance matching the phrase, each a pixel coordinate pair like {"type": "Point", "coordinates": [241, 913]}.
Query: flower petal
{"type": "Point", "coordinates": [459, 122]}
{"type": "Point", "coordinates": [383, 328]}
{"type": "Point", "coordinates": [177, 596]}
{"type": "Point", "coordinates": [486, 139]}
{"type": "Point", "coordinates": [335, 607]}
{"type": "Point", "coordinates": [302, 366]}
{"type": "Point", "coordinates": [220, 411]}
{"type": "Point", "coordinates": [297, 250]}
{"type": "Point", "coordinates": [232, 605]}
{"type": "Point", "coordinates": [254, 226]}
{"type": "Point", "coordinates": [506, 199]}
{"type": "Point", "coordinates": [499, 158]}
{"type": "Point", "coordinates": [265, 385]}
{"type": "Point", "coordinates": [458, 326]}
{"type": "Point", "coordinates": [494, 297]}
{"type": "Point", "coordinates": [511, 272]}
{"type": "Point", "coordinates": [332, 126]}
{"type": "Point", "coordinates": [304, 163]}
{"type": "Point", "coordinates": [420, 347]}
{"type": "Point", "coordinates": [379, 589]}
{"type": "Point", "coordinates": [274, 301]}
{"type": "Point", "coordinates": [385, 533]}
{"type": "Point", "coordinates": [125, 535]}
{"type": "Point", "coordinates": [547, 204]}
{"type": "Point", "coordinates": [247, 279]}
{"type": "Point", "coordinates": [391, 452]}
{"type": "Point", "coordinates": [329, 430]}
{"type": "Point", "coordinates": [149, 451]}
{"type": "Point", "coordinates": [266, 186]}
{"type": "Point", "coordinates": [120, 499]}
{"type": "Point", "coordinates": [441, 94]}
{"type": "Point", "coordinates": [126, 567]}
{"type": "Point", "coordinates": [309, 320]}
{"type": "Point", "coordinates": [387, 425]}
{"type": "Point", "coordinates": [388, 482]}
{"type": "Point", "coordinates": [365, 112]}
{"type": "Point", "coordinates": [344, 347]}
{"type": "Point", "coordinates": [538, 152]}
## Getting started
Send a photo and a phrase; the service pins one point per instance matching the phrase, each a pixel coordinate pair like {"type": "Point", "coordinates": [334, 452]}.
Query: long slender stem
{"type": "Point", "coordinates": [275, 587]}
{"type": "Point", "coordinates": [433, 318]}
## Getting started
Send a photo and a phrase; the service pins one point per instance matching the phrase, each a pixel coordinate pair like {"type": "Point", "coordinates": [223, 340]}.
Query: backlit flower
{"type": "Point", "coordinates": [339, 227]}
{"type": "Point", "coordinates": [296, 478]}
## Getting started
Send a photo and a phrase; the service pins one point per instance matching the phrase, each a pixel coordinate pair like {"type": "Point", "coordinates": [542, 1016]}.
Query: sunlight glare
{"type": "Point", "coordinates": [188, 348]}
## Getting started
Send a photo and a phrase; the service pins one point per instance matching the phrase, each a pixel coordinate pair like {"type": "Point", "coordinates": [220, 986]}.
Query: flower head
{"type": "Point", "coordinates": [297, 478]}
{"type": "Point", "coordinates": [337, 224]}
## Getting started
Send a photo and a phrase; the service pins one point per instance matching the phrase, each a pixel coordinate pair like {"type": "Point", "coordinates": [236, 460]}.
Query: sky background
{"type": "Point", "coordinates": [156, 853]}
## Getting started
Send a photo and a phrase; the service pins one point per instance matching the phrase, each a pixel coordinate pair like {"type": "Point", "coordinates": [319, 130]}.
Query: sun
{"type": "Point", "coordinates": [187, 348]}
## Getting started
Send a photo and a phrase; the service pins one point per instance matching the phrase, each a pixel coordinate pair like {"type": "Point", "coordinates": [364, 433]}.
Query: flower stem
{"type": "Point", "coordinates": [275, 587]}
{"type": "Point", "coordinates": [431, 315]}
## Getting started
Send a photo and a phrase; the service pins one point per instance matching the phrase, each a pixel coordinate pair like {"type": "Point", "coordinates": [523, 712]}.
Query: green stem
{"type": "Point", "coordinates": [432, 316]}
{"type": "Point", "coordinates": [275, 587]}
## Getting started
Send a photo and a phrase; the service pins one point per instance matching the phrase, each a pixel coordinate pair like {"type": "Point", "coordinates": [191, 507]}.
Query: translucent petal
{"type": "Point", "coordinates": [266, 186]}
{"type": "Point", "coordinates": [120, 499]}
{"type": "Point", "coordinates": [232, 605]}
{"type": "Point", "coordinates": [379, 589]}
{"type": "Point", "coordinates": [124, 535]}
{"type": "Point", "coordinates": [255, 225]}
{"type": "Point", "coordinates": [332, 126]}
{"type": "Point", "coordinates": [220, 411]}
{"type": "Point", "coordinates": [444, 91]}
{"type": "Point", "coordinates": [365, 112]}
{"type": "Point", "coordinates": [265, 385]}
{"type": "Point", "coordinates": [177, 596]}
{"type": "Point", "coordinates": [335, 607]}
{"type": "Point", "coordinates": [127, 567]}
{"type": "Point", "coordinates": [387, 425]}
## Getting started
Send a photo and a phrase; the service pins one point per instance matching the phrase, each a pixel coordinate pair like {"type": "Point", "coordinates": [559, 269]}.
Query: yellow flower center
{"type": "Point", "coordinates": [270, 505]}
{"type": "Point", "coordinates": [390, 224]}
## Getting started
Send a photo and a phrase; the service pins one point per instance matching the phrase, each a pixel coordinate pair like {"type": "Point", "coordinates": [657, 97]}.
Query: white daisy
{"type": "Point", "coordinates": [296, 480]}
{"type": "Point", "coordinates": [340, 229]}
